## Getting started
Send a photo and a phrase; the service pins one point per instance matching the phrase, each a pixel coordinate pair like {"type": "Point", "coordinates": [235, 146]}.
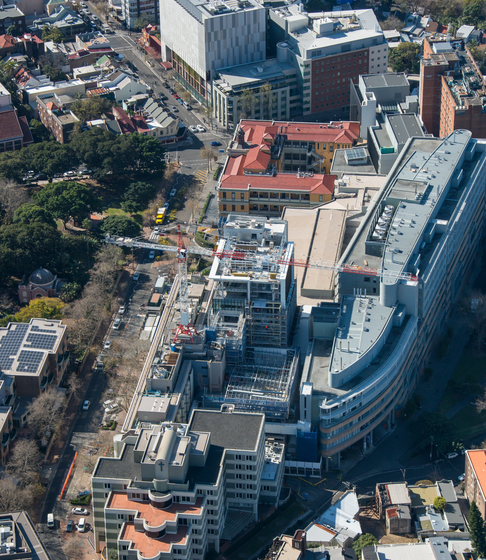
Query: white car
{"type": "Point", "coordinates": [452, 455]}
{"type": "Point", "coordinates": [85, 405]}
{"type": "Point", "coordinates": [201, 128]}
{"type": "Point", "coordinates": [152, 255]}
{"type": "Point", "coordinates": [107, 344]}
{"type": "Point", "coordinates": [166, 205]}
{"type": "Point", "coordinates": [80, 511]}
{"type": "Point", "coordinates": [122, 310]}
{"type": "Point", "coordinates": [192, 128]}
{"type": "Point", "coordinates": [172, 192]}
{"type": "Point", "coordinates": [69, 174]}
{"type": "Point", "coordinates": [116, 324]}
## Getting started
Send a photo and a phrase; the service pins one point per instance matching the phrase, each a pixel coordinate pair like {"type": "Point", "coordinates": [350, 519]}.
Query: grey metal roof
{"type": "Point", "coordinates": [385, 80]}
{"type": "Point", "coordinates": [405, 126]}
{"type": "Point", "coordinates": [447, 490]}
{"type": "Point", "coordinates": [229, 430]}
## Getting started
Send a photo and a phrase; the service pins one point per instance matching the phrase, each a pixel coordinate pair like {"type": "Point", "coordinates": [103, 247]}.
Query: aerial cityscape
{"type": "Point", "coordinates": [242, 280]}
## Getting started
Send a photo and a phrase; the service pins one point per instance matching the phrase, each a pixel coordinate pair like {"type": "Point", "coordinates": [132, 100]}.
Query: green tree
{"type": "Point", "coordinates": [31, 213]}
{"type": "Point", "coordinates": [12, 165]}
{"type": "Point", "coordinates": [70, 291]}
{"type": "Point", "coordinates": [477, 530]}
{"type": "Point", "coordinates": [39, 131]}
{"type": "Point", "coordinates": [147, 153]}
{"type": "Point", "coordinates": [247, 102]}
{"type": "Point", "coordinates": [122, 226]}
{"type": "Point", "coordinates": [102, 151]}
{"type": "Point", "coordinates": [473, 13]}
{"type": "Point", "coordinates": [51, 33]}
{"type": "Point", "coordinates": [140, 23]}
{"type": "Point", "coordinates": [91, 108]}
{"type": "Point", "coordinates": [139, 195]}
{"type": "Point", "coordinates": [13, 30]}
{"type": "Point", "coordinates": [364, 540]}
{"type": "Point", "coordinates": [50, 158]}
{"type": "Point", "coordinates": [45, 307]}
{"type": "Point", "coordinates": [67, 199]}
{"type": "Point", "coordinates": [433, 428]}
{"type": "Point", "coordinates": [405, 58]}
{"type": "Point", "coordinates": [268, 100]}
{"type": "Point", "coordinates": [439, 503]}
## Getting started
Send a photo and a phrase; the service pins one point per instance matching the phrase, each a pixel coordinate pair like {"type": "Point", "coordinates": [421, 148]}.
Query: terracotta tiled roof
{"type": "Point", "coordinates": [26, 130]}
{"type": "Point", "coordinates": [9, 125]}
{"type": "Point", "coordinates": [51, 106]}
{"type": "Point", "coordinates": [7, 42]}
{"type": "Point", "coordinates": [318, 184]}
{"type": "Point", "coordinates": [478, 462]}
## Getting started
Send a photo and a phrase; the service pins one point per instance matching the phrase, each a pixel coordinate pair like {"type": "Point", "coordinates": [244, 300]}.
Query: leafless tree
{"type": "Point", "coordinates": [13, 498]}
{"type": "Point", "coordinates": [46, 412]}
{"type": "Point", "coordinates": [11, 197]}
{"type": "Point", "coordinates": [6, 302]}
{"type": "Point", "coordinates": [24, 461]}
{"type": "Point", "coordinates": [74, 385]}
{"type": "Point", "coordinates": [392, 23]}
{"type": "Point", "coordinates": [209, 154]}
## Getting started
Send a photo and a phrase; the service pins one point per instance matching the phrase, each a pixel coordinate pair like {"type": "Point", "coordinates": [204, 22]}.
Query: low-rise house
{"type": "Point", "coordinates": [56, 117]}
{"type": "Point", "coordinates": [11, 15]}
{"type": "Point", "coordinates": [451, 548]}
{"type": "Point", "coordinates": [63, 18]}
{"type": "Point", "coordinates": [161, 123]}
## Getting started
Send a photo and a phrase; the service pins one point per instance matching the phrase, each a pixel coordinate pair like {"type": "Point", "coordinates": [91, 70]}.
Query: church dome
{"type": "Point", "coordinates": [41, 277]}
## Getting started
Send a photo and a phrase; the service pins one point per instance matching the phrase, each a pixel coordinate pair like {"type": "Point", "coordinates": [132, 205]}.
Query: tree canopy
{"type": "Point", "coordinates": [439, 503]}
{"type": "Point", "coordinates": [367, 539]}
{"type": "Point", "coordinates": [477, 530]}
{"type": "Point", "coordinates": [405, 58]}
{"type": "Point", "coordinates": [67, 199]}
{"type": "Point", "coordinates": [51, 33]}
{"type": "Point", "coordinates": [137, 196]}
{"type": "Point", "coordinates": [434, 428]}
{"type": "Point", "coordinates": [122, 226]}
{"type": "Point", "coordinates": [91, 108]}
{"type": "Point", "coordinates": [31, 213]}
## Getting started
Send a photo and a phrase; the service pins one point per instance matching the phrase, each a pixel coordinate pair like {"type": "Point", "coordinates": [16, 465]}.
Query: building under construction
{"type": "Point", "coordinates": [266, 383]}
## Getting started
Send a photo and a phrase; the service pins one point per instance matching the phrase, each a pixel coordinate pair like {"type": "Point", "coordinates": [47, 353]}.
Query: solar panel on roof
{"type": "Point", "coordinates": [356, 153]}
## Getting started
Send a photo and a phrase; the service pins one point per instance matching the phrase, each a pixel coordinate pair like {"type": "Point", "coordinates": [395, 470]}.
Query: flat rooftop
{"type": "Point", "coordinates": [317, 234]}
{"type": "Point", "coordinates": [125, 467]}
{"type": "Point", "coordinates": [24, 347]}
{"type": "Point", "coordinates": [372, 81]}
{"type": "Point", "coordinates": [417, 190]}
{"type": "Point", "coordinates": [204, 9]}
{"type": "Point", "coordinates": [150, 548]}
{"type": "Point", "coordinates": [248, 74]}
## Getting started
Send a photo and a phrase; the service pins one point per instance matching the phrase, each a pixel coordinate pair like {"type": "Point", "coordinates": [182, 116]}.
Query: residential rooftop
{"type": "Point", "coordinates": [19, 539]}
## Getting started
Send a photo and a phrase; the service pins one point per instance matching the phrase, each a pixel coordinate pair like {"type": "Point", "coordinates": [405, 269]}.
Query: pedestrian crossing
{"type": "Point", "coordinates": [201, 176]}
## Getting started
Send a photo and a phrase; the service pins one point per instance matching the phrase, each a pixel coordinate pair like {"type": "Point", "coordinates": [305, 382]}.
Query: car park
{"type": "Point", "coordinates": [79, 511]}
{"type": "Point", "coordinates": [452, 455]}
{"type": "Point", "coordinates": [215, 143]}
{"type": "Point", "coordinates": [152, 255]}
{"type": "Point", "coordinates": [116, 324]}
{"type": "Point", "coordinates": [201, 128]}
{"type": "Point", "coordinates": [69, 526]}
{"type": "Point", "coordinates": [107, 344]}
{"type": "Point", "coordinates": [86, 405]}
{"type": "Point", "coordinates": [172, 192]}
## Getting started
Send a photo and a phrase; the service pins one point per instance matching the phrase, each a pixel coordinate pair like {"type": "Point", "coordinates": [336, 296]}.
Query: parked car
{"type": "Point", "coordinates": [192, 128]}
{"type": "Point", "coordinates": [69, 526]}
{"type": "Point", "coordinates": [122, 309]}
{"type": "Point", "coordinates": [107, 344]}
{"type": "Point", "coordinates": [179, 100]}
{"type": "Point", "coordinates": [186, 105]}
{"type": "Point", "coordinates": [86, 405]}
{"type": "Point", "coordinates": [40, 177]}
{"type": "Point", "coordinates": [461, 477]}
{"type": "Point", "coordinates": [116, 324]}
{"type": "Point", "coordinates": [112, 408]}
{"type": "Point", "coordinates": [201, 128]}
{"type": "Point", "coordinates": [69, 173]}
{"type": "Point", "coordinates": [166, 205]}
{"type": "Point", "coordinates": [82, 525]}
{"type": "Point", "coordinates": [136, 276]}
{"type": "Point", "coordinates": [172, 192]}
{"type": "Point", "coordinates": [215, 143]}
{"type": "Point", "coordinates": [152, 255]}
{"type": "Point", "coordinates": [174, 108]}
{"type": "Point", "coordinates": [79, 511]}
{"type": "Point", "coordinates": [452, 455]}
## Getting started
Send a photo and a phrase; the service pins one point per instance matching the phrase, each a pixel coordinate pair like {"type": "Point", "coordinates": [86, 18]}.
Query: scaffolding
{"type": "Point", "coordinates": [230, 332]}
{"type": "Point", "coordinates": [265, 383]}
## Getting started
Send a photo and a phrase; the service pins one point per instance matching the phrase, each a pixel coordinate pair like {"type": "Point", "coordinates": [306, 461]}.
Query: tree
{"type": "Point", "coordinates": [209, 154]}
{"type": "Point", "coordinates": [122, 226]}
{"type": "Point", "coordinates": [39, 131]}
{"type": "Point", "coordinates": [140, 23]}
{"type": "Point", "coordinates": [70, 291]}
{"type": "Point", "coordinates": [50, 158]}
{"type": "Point", "coordinates": [186, 96]}
{"type": "Point", "coordinates": [12, 198]}
{"type": "Point", "coordinates": [31, 213]}
{"type": "Point", "coordinates": [439, 503]}
{"type": "Point", "coordinates": [247, 102]}
{"type": "Point", "coordinates": [138, 195]}
{"type": "Point", "coordinates": [404, 58]}
{"type": "Point", "coordinates": [24, 461]}
{"type": "Point", "coordinates": [477, 530]}
{"type": "Point", "coordinates": [67, 199]}
{"type": "Point", "coordinates": [46, 413]}
{"type": "Point", "coordinates": [13, 498]}
{"type": "Point", "coordinates": [478, 53]}
{"type": "Point", "coordinates": [268, 100]}
{"type": "Point", "coordinates": [51, 65]}
{"type": "Point", "coordinates": [12, 165]}
{"type": "Point", "coordinates": [432, 427]}
{"type": "Point", "coordinates": [367, 539]}
{"type": "Point", "coordinates": [91, 108]}
{"type": "Point", "coordinates": [392, 23]}
{"type": "Point", "coordinates": [147, 153]}
{"type": "Point", "coordinates": [41, 308]}
{"type": "Point", "coordinates": [74, 386]}
{"type": "Point", "coordinates": [13, 30]}
{"type": "Point", "coordinates": [51, 33]}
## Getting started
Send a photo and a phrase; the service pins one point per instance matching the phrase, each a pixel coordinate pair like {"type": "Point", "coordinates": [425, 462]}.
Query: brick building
{"type": "Point", "coordinates": [475, 479]}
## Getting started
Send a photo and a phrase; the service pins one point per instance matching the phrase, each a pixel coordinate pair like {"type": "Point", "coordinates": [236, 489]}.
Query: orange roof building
{"type": "Point", "coordinates": [272, 165]}
{"type": "Point", "coordinates": [475, 478]}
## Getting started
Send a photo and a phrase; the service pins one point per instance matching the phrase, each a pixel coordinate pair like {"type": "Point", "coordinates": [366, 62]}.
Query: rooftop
{"type": "Point", "coordinates": [24, 347]}
{"type": "Point", "coordinates": [19, 539]}
{"type": "Point", "coordinates": [148, 547]}
{"type": "Point", "coordinates": [373, 81]}
{"type": "Point", "coordinates": [205, 9]}
{"type": "Point", "coordinates": [124, 467]}
{"type": "Point", "coordinates": [477, 457]}
{"type": "Point", "coordinates": [247, 75]}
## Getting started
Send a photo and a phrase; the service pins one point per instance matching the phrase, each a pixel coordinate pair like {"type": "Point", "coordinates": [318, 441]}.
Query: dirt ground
{"type": "Point", "coordinates": [370, 523]}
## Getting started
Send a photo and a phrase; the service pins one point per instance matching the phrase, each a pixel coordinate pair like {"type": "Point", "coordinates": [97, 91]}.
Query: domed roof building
{"type": "Point", "coordinates": [41, 283]}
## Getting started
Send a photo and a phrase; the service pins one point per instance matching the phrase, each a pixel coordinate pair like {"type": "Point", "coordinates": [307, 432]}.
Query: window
{"type": "Point", "coordinates": [233, 207]}
{"type": "Point", "coordinates": [242, 207]}
{"type": "Point", "coordinates": [224, 207]}
{"type": "Point", "coordinates": [320, 198]}
{"type": "Point", "coordinates": [224, 195]}
{"type": "Point", "coordinates": [233, 195]}
{"type": "Point", "coordinates": [107, 485]}
{"type": "Point", "coordinates": [242, 196]}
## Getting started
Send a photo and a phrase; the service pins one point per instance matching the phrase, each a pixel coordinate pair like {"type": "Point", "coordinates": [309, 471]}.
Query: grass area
{"type": "Point", "coordinates": [138, 217]}
{"type": "Point", "coordinates": [250, 544]}
{"type": "Point", "coordinates": [467, 419]}
{"type": "Point", "coordinates": [466, 381]}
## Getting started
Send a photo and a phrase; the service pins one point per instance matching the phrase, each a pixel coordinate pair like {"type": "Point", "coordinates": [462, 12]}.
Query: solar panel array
{"type": "Point", "coordinates": [10, 345]}
{"type": "Point", "coordinates": [355, 153]}
{"type": "Point", "coordinates": [28, 359]}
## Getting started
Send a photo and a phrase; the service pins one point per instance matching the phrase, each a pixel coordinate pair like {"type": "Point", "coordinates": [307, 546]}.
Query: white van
{"type": "Point", "coordinates": [50, 520]}
{"type": "Point", "coordinates": [106, 28]}
{"type": "Point", "coordinates": [81, 525]}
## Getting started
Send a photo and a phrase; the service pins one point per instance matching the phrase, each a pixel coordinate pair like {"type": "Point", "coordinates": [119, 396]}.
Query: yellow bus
{"type": "Point", "coordinates": [160, 216]}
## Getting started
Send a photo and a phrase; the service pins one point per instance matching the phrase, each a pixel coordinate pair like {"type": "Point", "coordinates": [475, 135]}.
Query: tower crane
{"type": "Point", "coordinates": [243, 257]}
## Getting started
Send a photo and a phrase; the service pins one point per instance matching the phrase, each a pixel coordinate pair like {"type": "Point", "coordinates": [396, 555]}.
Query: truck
{"type": "Point", "coordinates": [160, 216]}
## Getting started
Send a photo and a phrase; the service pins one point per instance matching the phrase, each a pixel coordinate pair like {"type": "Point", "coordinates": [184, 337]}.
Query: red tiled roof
{"type": "Point", "coordinates": [97, 91]}
{"type": "Point", "coordinates": [51, 105]}
{"type": "Point", "coordinates": [478, 462]}
{"type": "Point", "coordinates": [6, 42]}
{"type": "Point", "coordinates": [9, 125]}
{"type": "Point", "coordinates": [129, 124]}
{"type": "Point", "coordinates": [318, 184]}
{"type": "Point", "coordinates": [28, 139]}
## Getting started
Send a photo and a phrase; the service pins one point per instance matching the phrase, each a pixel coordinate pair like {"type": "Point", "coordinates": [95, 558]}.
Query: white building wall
{"type": "Point", "coordinates": [378, 59]}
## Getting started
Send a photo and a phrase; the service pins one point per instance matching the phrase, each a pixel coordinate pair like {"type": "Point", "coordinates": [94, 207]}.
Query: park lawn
{"type": "Point", "coordinates": [466, 381]}
{"type": "Point", "coordinates": [112, 211]}
{"type": "Point", "coordinates": [468, 422]}
{"type": "Point", "coordinates": [248, 547]}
